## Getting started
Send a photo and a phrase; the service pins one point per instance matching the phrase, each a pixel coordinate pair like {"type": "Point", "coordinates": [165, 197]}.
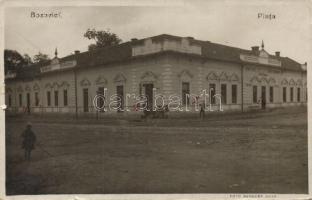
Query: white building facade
{"type": "Point", "coordinates": [173, 66]}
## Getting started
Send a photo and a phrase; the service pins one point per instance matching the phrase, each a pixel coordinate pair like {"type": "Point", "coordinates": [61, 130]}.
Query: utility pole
{"type": "Point", "coordinates": [96, 107]}
{"type": "Point", "coordinates": [76, 100]}
{"type": "Point", "coordinates": [242, 86]}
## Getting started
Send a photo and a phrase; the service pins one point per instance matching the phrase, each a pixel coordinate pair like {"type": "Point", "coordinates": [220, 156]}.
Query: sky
{"type": "Point", "coordinates": [234, 24]}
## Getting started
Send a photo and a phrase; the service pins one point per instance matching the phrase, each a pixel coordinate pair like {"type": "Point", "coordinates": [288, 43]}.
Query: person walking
{"type": "Point", "coordinates": [28, 109]}
{"type": "Point", "coordinates": [29, 139]}
{"type": "Point", "coordinates": [202, 110]}
{"type": "Point", "coordinates": [263, 104]}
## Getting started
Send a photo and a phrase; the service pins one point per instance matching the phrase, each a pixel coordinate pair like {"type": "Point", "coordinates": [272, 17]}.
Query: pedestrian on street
{"type": "Point", "coordinates": [263, 104]}
{"type": "Point", "coordinates": [202, 111]}
{"type": "Point", "coordinates": [29, 139]}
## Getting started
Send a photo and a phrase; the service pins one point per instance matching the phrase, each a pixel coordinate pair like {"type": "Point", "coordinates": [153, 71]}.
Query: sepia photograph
{"type": "Point", "coordinates": [189, 98]}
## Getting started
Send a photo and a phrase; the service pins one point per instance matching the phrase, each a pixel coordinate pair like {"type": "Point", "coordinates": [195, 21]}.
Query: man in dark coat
{"type": "Point", "coordinates": [263, 103]}
{"type": "Point", "coordinates": [202, 111]}
{"type": "Point", "coordinates": [29, 139]}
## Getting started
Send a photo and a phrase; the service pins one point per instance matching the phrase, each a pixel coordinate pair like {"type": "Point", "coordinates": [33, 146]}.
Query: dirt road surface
{"type": "Point", "coordinates": [263, 152]}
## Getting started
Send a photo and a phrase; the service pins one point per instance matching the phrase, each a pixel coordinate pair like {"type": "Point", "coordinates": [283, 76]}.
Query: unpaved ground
{"type": "Point", "coordinates": [236, 153]}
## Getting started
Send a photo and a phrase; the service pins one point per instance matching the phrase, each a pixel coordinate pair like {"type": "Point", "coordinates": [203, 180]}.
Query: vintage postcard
{"type": "Point", "coordinates": [155, 99]}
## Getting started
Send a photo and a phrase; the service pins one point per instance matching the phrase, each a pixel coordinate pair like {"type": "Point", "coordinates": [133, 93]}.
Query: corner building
{"type": "Point", "coordinates": [173, 65]}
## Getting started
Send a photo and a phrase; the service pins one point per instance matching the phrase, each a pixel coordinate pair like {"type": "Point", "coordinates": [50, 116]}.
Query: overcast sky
{"type": "Point", "coordinates": [230, 24]}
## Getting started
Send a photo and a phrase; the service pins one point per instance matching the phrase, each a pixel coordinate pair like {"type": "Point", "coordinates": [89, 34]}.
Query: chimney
{"type": "Point", "coordinates": [134, 39]}
{"type": "Point", "coordinates": [277, 53]}
{"type": "Point", "coordinates": [77, 52]}
{"type": "Point", "coordinates": [304, 66]}
{"type": "Point", "coordinates": [255, 49]}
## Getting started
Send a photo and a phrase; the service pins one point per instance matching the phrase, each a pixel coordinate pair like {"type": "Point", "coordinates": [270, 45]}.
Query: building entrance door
{"type": "Point", "coordinates": [28, 102]}
{"type": "Point", "coordinates": [120, 94]}
{"type": "Point", "coordinates": [85, 100]}
{"type": "Point", "coordinates": [149, 95]}
{"type": "Point", "coordinates": [100, 100]}
{"type": "Point", "coordinates": [263, 97]}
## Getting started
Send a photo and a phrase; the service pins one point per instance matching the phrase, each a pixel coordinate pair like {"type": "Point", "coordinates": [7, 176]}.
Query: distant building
{"type": "Point", "coordinates": [171, 64]}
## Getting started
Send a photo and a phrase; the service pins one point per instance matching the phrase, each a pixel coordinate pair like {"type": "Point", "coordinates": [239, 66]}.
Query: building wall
{"type": "Point", "coordinates": [50, 82]}
{"type": "Point", "coordinates": [129, 75]}
{"type": "Point", "coordinates": [202, 73]}
{"type": "Point", "coordinates": [166, 73]}
{"type": "Point", "coordinates": [268, 77]}
{"type": "Point", "coordinates": [58, 82]}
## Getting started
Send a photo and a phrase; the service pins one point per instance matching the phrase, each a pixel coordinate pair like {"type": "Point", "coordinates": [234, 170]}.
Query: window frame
{"type": "Point", "coordinates": [271, 94]}
{"type": "Point", "coordinates": [223, 93]}
{"type": "Point", "coordinates": [20, 99]}
{"type": "Point", "coordinates": [212, 99]}
{"type": "Point", "coordinates": [284, 94]}
{"type": "Point", "coordinates": [65, 97]}
{"type": "Point", "coordinates": [36, 99]}
{"type": "Point", "coordinates": [56, 98]}
{"type": "Point", "coordinates": [184, 98]}
{"type": "Point", "coordinates": [48, 98]}
{"type": "Point", "coordinates": [234, 86]}
{"type": "Point", "coordinates": [255, 94]}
